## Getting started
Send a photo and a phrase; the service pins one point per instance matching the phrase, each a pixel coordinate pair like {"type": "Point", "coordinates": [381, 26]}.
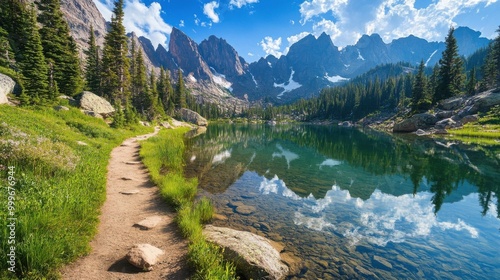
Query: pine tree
{"type": "Point", "coordinates": [471, 82]}
{"type": "Point", "coordinates": [496, 57]}
{"type": "Point", "coordinates": [166, 92]}
{"type": "Point", "coordinates": [419, 91]}
{"type": "Point", "coordinates": [119, 116]}
{"type": "Point", "coordinates": [6, 53]}
{"type": "Point", "coordinates": [59, 47]}
{"type": "Point", "coordinates": [180, 92]}
{"type": "Point", "coordinates": [115, 64]}
{"type": "Point", "coordinates": [139, 83]}
{"type": "Point", "coordinates": [451, 76]}
{"type": "Point", "coordinates": [92, 65]}
{"type": "Point", "coordinates": [29, 56]}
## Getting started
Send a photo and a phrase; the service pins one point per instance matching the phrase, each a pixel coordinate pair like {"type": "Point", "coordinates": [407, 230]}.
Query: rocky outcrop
{"type": "Point", "coordinates": [192, 117]}
{"type": "Point", "coordinates": [144, 256]}
{"type": "Point", "coordinates": [221, 56]}
{"type": "Point", "coordinates": [253, 255]}
{"type": "Point", "coordinates": [415, 122]}
{"type": "Point", "coordinates": [6, 86]}
{"type": "Point", "coordinates": [88, 101]}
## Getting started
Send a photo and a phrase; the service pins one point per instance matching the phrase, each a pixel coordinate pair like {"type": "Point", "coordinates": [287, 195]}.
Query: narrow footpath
{"type": "Point", "coordinates": [130, 198]}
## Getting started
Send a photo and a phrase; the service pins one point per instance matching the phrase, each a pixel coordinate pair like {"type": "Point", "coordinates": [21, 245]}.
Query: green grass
{"type": "Point", "coordinates": [163, 156]}
{"type": "Point", "coordinates": [484, 132]}
{"type": "Point", "coordinates": [60, 185]}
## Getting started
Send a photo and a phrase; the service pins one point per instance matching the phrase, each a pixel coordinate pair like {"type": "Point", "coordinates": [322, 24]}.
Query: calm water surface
{"type": "Point", "coordinates": [356, 204]}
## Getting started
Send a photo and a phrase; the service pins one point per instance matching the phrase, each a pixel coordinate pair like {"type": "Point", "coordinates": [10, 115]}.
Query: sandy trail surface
{"type": "Point", "coordinates": [116, 231]}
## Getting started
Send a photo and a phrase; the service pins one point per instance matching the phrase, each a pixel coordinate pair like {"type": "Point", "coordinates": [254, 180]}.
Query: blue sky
{"type": "Point", "coordinates": [256, 28]}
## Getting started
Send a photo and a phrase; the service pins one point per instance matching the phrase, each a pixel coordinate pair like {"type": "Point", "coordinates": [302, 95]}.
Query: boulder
{"type": "Point", "coordinates": [452, 103]}
{"type": "Point", "coordinates": [6, 86]}
{"type": "Point", "coordinates": [469, 118]}
{"type": "Point", "coordinates": [415, 122]}
{"type": "Point", "coordinates": [485, 100]}
{"type": "Point", "coordinates": [253, 255]}
{"type": "Point", "coordinates": [192, 117]}
{"type": "Point", "coordinates": [447, 123]}
{"type": "Point", "coordinates": [148, 223]}
{"type": "Point", "coordinates": [98, 105]}
{"type": "Point", "coordinates": [444, 114]}
{"type": "Point", "coordinates": [144, 256]}
{"type": "Point", "coordinates": [93, 114]}
{"type": "Point", "coordinates": [61, 108]}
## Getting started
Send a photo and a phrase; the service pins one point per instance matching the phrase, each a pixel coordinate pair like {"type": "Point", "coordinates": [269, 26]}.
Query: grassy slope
{"type": "Point", "coordinates": [163, 156]}
{"type": "Point", "coordinates": [60, 185]}
{"type": "Point", "coordinates": [484, 132]}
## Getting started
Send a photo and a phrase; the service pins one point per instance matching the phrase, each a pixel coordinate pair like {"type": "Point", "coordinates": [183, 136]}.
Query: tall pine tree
{"type": "Point", "coordinates": [115, 63]}
{"type": "Point", "coordinates": [29, 56]}
{"type": "Point", "coordinates": [451, 77]}
{"type": "Point", "coordinates": [180, 91]}
{"type": "Point", "coordinates": [496, 57]}
{"type": "Point", "coordinates": [59, 47]}
{"type": "Point", "coordinates": [419, 91]}
{"type": "Point", "coordinates": [93, 65]}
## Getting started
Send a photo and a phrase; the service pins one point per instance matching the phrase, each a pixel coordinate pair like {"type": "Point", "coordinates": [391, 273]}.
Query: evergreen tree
{"type": "Point", "coordinates": [180, 92]}
{"type": "Point", "coordinates": [130, 114]}
{"type": "Point", "coordinates": [29, 56]}
{"type": "Point", "coordinates": [139, 83]}
{"type": "Point", "coordinates": [419, 92]}
{"type": "Point", "coordinates": [6, 53]}
{"type": "Point", "coordinates": [471, 82]}
{"type": "Point", "coordinates": [451, 76]}
{"type": "Point", "coordinates": [496, 57]}
{"type": "Point", "coordinates": [59, 47]}
{"type": "Point", "coordinates": [115, 64]}
{"type": "Point", "coordinates": [92, 65]}
{"type": "Point", "coordinates": [119, 116]}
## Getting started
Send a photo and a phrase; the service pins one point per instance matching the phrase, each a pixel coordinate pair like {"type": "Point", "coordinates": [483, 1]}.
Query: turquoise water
{"type": "Point", "coordinates": [352, 204]}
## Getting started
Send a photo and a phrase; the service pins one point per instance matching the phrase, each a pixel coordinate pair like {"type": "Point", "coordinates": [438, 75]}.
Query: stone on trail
{"type": "Point", "coordinates": [133, 162]}
{"type": "Point", "coordinates": [144, 256]}
{"type": "Point", "coordinates": [126, 178]}
{"type": "Point", "coordinates": [130, 192]}
{"type": "Point", "coordinates": [149, 222]}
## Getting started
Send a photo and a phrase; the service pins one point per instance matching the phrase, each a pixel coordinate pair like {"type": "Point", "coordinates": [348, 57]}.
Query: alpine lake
{"type": "Point", "coordinates": [349, 203]}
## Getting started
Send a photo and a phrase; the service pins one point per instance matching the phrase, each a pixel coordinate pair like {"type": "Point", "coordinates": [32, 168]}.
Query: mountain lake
{"type": "Point", "coordinates": [353, 203]}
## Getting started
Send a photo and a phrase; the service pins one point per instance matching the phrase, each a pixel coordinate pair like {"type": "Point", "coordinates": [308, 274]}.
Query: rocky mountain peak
{"type": "Point", "coordinates": [221, 56]}
{"type": "Point", "coordinates": [185, 54]}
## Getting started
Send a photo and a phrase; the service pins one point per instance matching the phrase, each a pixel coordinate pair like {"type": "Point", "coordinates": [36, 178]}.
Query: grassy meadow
{"type": "Point", "coordinates": [57, 162]}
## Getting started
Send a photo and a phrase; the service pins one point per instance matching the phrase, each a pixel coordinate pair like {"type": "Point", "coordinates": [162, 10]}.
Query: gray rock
{"type": "Point", "coordinates": [149, 222]}
{"type": "Point", "coordinates": [61, 108]}
{"type": "Point", "coordinates": [6, 87]}
{"type": "Point", "coordinates": [253, 255]}
{"type": "Point", "coordinates": [96, 104]}
{"type": "Point", "coordinates": [415, 122]}
{"type": "Point", "coordinates": [130, 192]}
{"type": "Point", "coordinates": [485, 100]}
{"type": "Point", "coordinates": [444, 114]}
{"type": "Point", "coordinates": [469, 118]}
{"type": "Point", "coordinates": [192, 117]}
{"type": "Point", "coordinates": [382, 263]}
{"type": "Point", "coordinates": [452, 103]}
{"type": "Point", "coordinates": [421, 132]}
{"type": "Point", "coordinates": [447, 123]}
{"type": "Point", "coordinates": [144, 256]}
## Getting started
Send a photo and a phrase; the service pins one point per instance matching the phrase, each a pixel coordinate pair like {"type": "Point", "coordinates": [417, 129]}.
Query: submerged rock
{"type": "Point", "coordinates": [253, 255]}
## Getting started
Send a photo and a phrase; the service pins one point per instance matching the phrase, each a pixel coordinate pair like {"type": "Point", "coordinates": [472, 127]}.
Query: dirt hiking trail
{"type": "Point", "coordinates": [116, 231]}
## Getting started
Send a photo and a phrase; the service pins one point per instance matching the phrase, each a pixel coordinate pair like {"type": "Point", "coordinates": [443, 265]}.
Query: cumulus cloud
{"type": "Point", "coordinates": [146, 21]}
{"type": "Point", "coordinates": [271, 46]}
{"type": "Point", "coordinates": [327, 26]}
{"type": "Point", "coordinates": [346, 20]}
{"type": "Point", "coordinates": [139, 18]}
{"type": "Point", "coordinates": [209, 11]}
{"type": "Point", "coordinates": [181, 23]}
{"type": "Point", "coordinates": [241, 3]}
{"type": "Point", "coordinates": [294, 39]}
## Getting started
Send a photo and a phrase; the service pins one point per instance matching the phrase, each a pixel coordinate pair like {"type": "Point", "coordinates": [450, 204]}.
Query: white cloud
{"type": "Point", "coordinates": [139, 18]}
{"type": "Point", "coordinates": [327, 26]}
{"type": "Point", "coordinates": [294, 39]}
{"type": "Point", "coordinates": [241, 3]}
{"type": "Point", "coordinates": [146, 21]}
{"type": "Point", "coordinates": [346, 20]}
{"type": "Point", "coordinates": [310, 9]}
{"type": "Point", "coordinates": [181, 23]}
{"type": "Point", "coordinates": [209, 11]}
{"type": "Point", "coordinates": [250, 54]}
{"type": "Point", "coordinates": [271, 46]}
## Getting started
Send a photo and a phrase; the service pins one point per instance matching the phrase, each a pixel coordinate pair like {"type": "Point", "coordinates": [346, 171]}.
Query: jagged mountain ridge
{"type": "Point", "coordinates": [215, 72]}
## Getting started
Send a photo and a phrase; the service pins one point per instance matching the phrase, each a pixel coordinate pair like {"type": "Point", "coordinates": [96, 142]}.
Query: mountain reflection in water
{"type": "Point", "coordinates": [350, 198]}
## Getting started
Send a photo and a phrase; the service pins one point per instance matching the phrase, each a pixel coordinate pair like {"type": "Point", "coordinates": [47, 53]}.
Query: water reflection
{"type": "Point", "coordinates": [354, 204]}
{"type": "Point", "coordinates": [310, 159]}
